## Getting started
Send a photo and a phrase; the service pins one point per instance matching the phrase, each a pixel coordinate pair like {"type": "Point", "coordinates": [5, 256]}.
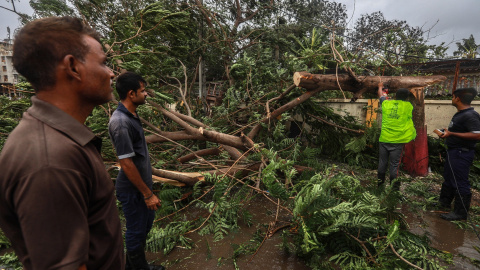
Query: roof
{"type": "Point", "coordinates": [446, 67]}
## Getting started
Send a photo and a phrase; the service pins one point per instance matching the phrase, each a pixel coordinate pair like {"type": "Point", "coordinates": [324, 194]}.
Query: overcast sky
{"type": "Point", "coordinates": [457, 19]}
{"type": "Point", "coordinates": [10, 19]}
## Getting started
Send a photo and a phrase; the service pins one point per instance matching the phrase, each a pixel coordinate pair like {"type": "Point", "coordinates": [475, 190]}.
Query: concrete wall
{"type": "Point", "coordinates": [438, 113]}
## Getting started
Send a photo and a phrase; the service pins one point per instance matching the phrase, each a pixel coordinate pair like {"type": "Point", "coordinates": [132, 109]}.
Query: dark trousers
{"type": "Point", "coordinates": [389, 152]}
{"type": "Point", "coordinates": [457, 168]}
{"type": "Point", "coordinates": [139, 219]}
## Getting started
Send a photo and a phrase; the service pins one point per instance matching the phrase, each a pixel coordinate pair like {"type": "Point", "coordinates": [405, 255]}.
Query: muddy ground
{"type": "Point", "coordinates": [446, 236]}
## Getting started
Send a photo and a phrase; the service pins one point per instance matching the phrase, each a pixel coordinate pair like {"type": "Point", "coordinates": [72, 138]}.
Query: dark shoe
{"type": "Point", "coordinates": [381, 178]}
{"type": "Point", "coordinates": [396, 185]}
{"type": "Point", "coordinates": [460, 208]}
{"type": "Point", "coordinates": [452, 216]}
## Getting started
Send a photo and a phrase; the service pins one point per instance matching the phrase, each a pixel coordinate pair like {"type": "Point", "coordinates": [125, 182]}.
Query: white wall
{"type": "Point", "coordinates": [438, 113]}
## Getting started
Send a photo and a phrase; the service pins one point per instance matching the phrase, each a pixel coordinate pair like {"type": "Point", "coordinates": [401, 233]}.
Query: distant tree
{"type": "Point", "coordinates": [467, 48]}
{"type": "Point", "coordinates": [375, 37]}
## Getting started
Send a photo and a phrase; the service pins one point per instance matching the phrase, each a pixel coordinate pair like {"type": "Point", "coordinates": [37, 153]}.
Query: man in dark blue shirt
{"type": "Point", "coordinates": [134, 181]}
{"type": "Point", "coordinates": [461, 136]}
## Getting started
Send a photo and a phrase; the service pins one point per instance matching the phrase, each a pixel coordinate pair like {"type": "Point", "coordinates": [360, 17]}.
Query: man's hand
{"type": "Point", "coordinates": [153, 202]}
{"type": "Point", "coordinates": [445, 134]}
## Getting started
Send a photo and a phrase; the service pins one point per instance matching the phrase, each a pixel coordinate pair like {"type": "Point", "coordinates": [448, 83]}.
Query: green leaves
{"type": "Point", "coordinates": [165, 239]}
{"type": "Point", "coordinates": [341, 221]}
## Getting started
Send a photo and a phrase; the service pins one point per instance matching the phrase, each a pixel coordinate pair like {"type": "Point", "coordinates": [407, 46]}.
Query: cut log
{"type": "Point", "coordinates": [187, 178]}
{"type": "Point", "coordinates": [158, 179]}
{"type": "Point", "coordinates": [368, 83]}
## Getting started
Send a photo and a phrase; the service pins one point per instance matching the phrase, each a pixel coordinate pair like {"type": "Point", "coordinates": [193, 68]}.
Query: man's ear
{"type": "Point", "coordinates": [71, 66]}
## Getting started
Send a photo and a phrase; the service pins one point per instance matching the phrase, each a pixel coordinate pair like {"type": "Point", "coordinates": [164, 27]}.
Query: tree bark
{"type": "Point", "coordinates": [188, 179]}
{"type": "Point", "coordinates": [200, 153]}
{"type": "Point", "coordinates": [368, 83]}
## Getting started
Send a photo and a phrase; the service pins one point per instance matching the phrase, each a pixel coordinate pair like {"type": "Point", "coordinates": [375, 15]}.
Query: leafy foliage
{"type": "Point", "coordinates": [10, 261]}
{"type": "Point", "coordinates": [166, 238]}
{"type": "Point", "coordinates": [4, 242]}
{"type": "Point", "coordinates": [353, 226]}
{"type": "Point", "coordinates": [253, 47]}
{"type": "Point", "coordinates": [467, 48]}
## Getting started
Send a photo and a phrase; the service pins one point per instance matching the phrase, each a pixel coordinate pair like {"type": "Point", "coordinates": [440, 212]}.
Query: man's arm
{"type": "Point", "coordinates": [380, 89]}
{"type": "Point", "coordinates": [466, 135]}
{"type": "Point", "coordinates": [134, 177]}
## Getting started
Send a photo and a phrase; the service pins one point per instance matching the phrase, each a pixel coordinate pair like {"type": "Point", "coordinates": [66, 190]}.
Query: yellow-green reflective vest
{"type": "Point", "coordinates": [397, 123]}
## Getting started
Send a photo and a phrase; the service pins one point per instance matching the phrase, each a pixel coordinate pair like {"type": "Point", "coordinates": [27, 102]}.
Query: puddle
{"type": "Point", "coordinates": [445, 236]}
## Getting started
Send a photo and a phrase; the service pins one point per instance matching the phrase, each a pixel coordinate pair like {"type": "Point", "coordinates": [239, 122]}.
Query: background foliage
{"type": "Point", "coordinates": [252, 48]}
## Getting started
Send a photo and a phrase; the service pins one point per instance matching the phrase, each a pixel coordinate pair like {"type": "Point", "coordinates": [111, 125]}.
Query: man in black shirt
{"type": "Point", "coordinates": [134, 181]}
{"type": "Point", "coordinates": [461, 136]}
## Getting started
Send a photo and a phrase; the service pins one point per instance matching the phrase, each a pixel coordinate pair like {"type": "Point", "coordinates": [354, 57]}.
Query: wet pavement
{"type": "Point", "coordinates": [208, 254]}
{"type": "Point", "coordinates": [446, 236]}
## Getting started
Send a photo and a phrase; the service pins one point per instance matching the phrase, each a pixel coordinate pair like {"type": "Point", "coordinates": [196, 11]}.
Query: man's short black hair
{"type": "Point", "coordinates": [466, 95]}
{"type": "Point", "coordinates": [42, 44]}
{"type": "Point", "coordinates": [402, 94]}
{"type": "Point", "coordinates": [128, 81]}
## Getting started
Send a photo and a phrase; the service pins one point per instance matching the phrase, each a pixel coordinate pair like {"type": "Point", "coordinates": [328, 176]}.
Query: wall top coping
{"type": "Point", "coordinates": [363, 100]}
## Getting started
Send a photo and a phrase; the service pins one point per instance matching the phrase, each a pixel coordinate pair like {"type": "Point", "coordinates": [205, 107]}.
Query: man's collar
{"type": "Point", "coordinates": [61, 121]}
{"type": "Point", "coordinates": [466, 109]}
{"type": "Point", "coordinates": [124, 110]}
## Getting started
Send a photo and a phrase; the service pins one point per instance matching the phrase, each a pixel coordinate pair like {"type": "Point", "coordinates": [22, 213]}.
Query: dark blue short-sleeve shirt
{"type": "Point", "coordinates": [127, 135]}
{"type": "Point", "coordinates": [464, 121]}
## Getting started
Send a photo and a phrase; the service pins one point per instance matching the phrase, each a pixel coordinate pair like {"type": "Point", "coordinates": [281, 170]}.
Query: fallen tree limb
{"type": "Point", "coordinates": [189, 179]}
{"type": "Point", "coordinates": [201, 133]}
{"type": "Point", "coordinates": [335, 125]}
{"type": "Point", "coordinates": [403, 259]}
{"type": "Point", "coordinates": [323, 82]}
{"type": "Point", "coordinates": [299, 100]}
{"type": "Point", "coordinates": [157, 179]}
{"type": "Point", "coordinates": [200, 153]}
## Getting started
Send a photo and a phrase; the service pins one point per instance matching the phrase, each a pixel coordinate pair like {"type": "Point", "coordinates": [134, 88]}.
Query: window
{"type": "Point", "coordinates": [3, 59]}
{"type": "Point", "coordinates": [4, 68]}
{"type": "Point", "coordinates": [5, 78]}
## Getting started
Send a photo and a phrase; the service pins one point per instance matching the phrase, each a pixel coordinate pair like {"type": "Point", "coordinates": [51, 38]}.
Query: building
{"type": "Point", "coordinates": [8, 74]}
{"type": "Point", "coordinates": [459, 72]}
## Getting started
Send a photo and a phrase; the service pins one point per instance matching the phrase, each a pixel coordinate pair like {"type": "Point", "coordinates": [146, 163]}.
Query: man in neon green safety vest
{"type": "Point", "coordinates": [397, 130]}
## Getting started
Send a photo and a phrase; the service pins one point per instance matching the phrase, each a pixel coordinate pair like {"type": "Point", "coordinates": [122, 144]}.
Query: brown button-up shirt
{"type": "Point", "coordinates": [57, 203]}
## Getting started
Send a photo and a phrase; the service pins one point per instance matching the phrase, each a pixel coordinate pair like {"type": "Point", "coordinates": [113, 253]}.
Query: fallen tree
{"type": "Point", "coordinates": [361, 84]}
{"type": "Point", "coordinates": [239, 146]}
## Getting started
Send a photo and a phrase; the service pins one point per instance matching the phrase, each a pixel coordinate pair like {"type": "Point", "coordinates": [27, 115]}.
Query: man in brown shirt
{"type": "Point", "coordinates": [57, 202]}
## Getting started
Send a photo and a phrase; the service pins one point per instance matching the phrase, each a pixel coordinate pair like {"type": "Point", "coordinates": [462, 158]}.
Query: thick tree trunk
{"type": "Point", "coordinates": [368, 83]}
{"type": "Point", "coordinates": [415, 159]}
